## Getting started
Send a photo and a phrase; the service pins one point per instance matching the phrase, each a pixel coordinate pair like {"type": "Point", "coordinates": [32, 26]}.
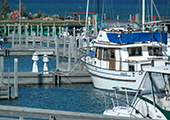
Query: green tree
{"type": "Point", "coordinates": [23, 9]}
{"type": "Point", "coordinates": [4, 8]}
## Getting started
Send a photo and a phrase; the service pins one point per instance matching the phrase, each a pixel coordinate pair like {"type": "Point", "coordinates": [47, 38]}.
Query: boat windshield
{"type": "Point", "coordinates": [116, 23]}
{"type": "Point", "coordinates": [158, 85]}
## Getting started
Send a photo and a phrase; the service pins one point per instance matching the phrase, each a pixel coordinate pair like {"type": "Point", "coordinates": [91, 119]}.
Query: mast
{"type": "Point", "coordinates": [97, 6]}
{"type": "Point", "coordinates": [87, 9]}
{"type": "Point", "coordinates": [151, 10]}
{"type": "Point", "coordinates": [143, 14]}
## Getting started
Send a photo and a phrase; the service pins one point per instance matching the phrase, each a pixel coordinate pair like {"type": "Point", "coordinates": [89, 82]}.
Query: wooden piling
{"type": "Point", "coordinates": [33, 40]}
{"type": "Point", "coordinates": [37, 30]}
{"type": "Point", "coordinates": [57, 52]}
{"type": "Point", "coordinates": [8, 83]}
{"type": "Point", "coordinates": [26, 39]}
{"type": "Point", "coordinates": [64, 46]}
{"type": "Point", "coordinates": [8, 29]}
{"type": "Point", "coordinates": [69, 57]}
{"type": "Point", "coordinates": [16, 77]}
{"type": "Point", "coordinates": [19, 35]}
{"type": "Point", "coordinates": [2, 70]}
{"type": "Point", "coordinates": [13, 37]}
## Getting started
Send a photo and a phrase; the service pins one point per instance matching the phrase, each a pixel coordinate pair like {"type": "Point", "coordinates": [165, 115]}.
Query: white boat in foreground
{"type": "Point", "coordinates": [151, 101]}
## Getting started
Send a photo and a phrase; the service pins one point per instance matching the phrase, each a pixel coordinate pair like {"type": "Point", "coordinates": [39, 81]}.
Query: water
{"type": "Point", "coordinates": [112, 8]}
{"type": "Point", "coordinates": [76, 98]}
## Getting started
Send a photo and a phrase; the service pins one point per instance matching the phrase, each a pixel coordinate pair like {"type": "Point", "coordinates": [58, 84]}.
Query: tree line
{"type": "Point", "coordinates": [4, 9]}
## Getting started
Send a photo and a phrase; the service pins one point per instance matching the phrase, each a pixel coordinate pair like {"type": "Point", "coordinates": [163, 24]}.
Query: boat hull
{"type": "Point", "coordinates": [110, 79]}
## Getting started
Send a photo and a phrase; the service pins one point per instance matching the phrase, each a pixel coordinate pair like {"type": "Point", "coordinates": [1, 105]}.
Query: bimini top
{"type": "Point", "coordinates": [76, 26]}
{"type": "Point", "coordinates": [125, 38]}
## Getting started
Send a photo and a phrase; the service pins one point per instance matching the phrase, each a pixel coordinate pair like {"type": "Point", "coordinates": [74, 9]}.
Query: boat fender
{"type": "Point", "coordinates": [88, 59]}
{"type": "Point", "coordinates": [141, 72]}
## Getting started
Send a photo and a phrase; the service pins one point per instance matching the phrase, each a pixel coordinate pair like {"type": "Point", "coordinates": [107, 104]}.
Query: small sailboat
{"type": "Point", "coordinates": [151, 101]}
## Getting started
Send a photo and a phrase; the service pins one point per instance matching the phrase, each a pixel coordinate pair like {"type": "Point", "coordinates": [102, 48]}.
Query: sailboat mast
{"type": "Point", "coordinates": [143, 14]}
{"type": "Point", "coordinates": [87, 10]}
{"type": "Point", "coordinates": [151, 10]}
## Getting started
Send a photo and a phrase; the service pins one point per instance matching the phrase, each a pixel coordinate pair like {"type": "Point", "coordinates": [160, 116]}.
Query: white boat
{"type": "Point", "coordinates": [120, 53]}
{"type": "Point", "coordinates": [151, 101]}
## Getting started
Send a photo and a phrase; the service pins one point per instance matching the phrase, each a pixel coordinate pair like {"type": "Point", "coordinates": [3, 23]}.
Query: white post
{"type": "Point", "coordinates": [16, 77]}
{"type": "Point", "coordinates": [14, 28]}
{"type": "Point", "coordinates": [64, 46]}
{"type": "Point", "coordinates": [37, 30]}
{"type": "Point", "coordinates": [19, 35]}
{"type": "Point", "coordinates": [59, 31]}
{"type": "Point", "coordinates": [27, 39]}
{"type": "Point", "coordinates": [87, 10]}
{"type": "Point", "coordinates": [57, 52]}
{"type": "Point", "coordinates": [13, 37]}
{"type": "Point", "coordinates": [48, 40]}
{"type": "Point", "coordinates": [31, 29]}
{"type": "Point", "coordinates": [41, 37]}
{"type": "Point", "coordinates": [45, 68]}
{"type": "Point", "coordinates": [75, 53]}
{"type": "Point", "coordinates": [8, 29]}
{"type": "Point", "coordinates": [143, 14]}
{"type": "Point", "coordinates": [69, 57]}
{"type": "Point", "coordinates": [35, 59]}
{"type": "Point", "coordinates": [33, 39]}
{"type": "Point", "coordinates": [54, 30]}
{"type": "Point", "coordinates": [2, 70]}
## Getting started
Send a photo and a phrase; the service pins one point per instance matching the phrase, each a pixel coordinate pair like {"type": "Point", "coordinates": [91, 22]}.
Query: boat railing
{"type": "Point", "coordinates": [112, 100]}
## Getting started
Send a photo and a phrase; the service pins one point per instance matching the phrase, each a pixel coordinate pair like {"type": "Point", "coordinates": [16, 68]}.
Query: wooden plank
{"type": "Point", "coordinates": [14, 111]}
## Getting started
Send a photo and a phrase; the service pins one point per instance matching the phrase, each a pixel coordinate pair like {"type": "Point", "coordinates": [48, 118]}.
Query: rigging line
{"type": "Point", "coordinates": [112, 9]}
{"type": "Point", "coordinates": [156, 9]}
{"type": "Point", "coordinates": [167, 8]}
{"type": "Point", "coordinates": [147, 3]}
{"type": "Point", "coordinates": [73, 68]}
{"type": "Point", "coordinates": [102, 12]}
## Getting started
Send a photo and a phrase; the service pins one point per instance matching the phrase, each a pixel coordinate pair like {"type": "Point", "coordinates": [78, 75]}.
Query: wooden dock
{"type": "Point", "coordinates": [24, 112]}
{"type": "Point", "coordinates": [31, 78]}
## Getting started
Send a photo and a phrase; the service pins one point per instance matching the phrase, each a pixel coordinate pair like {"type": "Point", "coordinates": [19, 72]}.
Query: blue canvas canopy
{"type": "Point", "coordinates": [76, 26]}
{"type": "Point", "coordinates": [137, 37]}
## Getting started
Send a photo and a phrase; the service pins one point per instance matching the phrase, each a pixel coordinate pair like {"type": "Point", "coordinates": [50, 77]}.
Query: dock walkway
{"type": "Point", "coordinates": [24, 112]}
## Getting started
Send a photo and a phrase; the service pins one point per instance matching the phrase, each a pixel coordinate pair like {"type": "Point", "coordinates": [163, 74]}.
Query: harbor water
{"type": "Point", "coordinates": [66, 97]}
{"type": "Point", "coordinates": [77, 98]}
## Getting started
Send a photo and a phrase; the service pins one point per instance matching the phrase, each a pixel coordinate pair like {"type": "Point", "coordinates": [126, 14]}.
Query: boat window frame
{"type": "Point", "coordinates": [135, 54]}
{"type": "Point", "coordinates": [110, 54]}
{"type": "Point", "coordinates": [133, 66]}
{"type": "Point", "coordinates": [100, 57]}
{"type": "Point", "coordinates": [154, 51]}
{"type": "Point", "coordinates": [104, 54]}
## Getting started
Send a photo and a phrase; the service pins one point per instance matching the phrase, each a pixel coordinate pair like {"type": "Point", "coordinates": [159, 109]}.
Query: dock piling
{"type": "Point", "coordinates": [19, 28]}
{"type": "Point", "coordinates": [13, 37]}
{"type": "Point", "coordinates": [8, 83]}
{"type": "Point", "coordinates": [16, 77]}
{"type": "Point", "coordinates": [33, 39]}
{"type": "Point", "coordinates": [2, 70]}
{"type": "Point", "coordinates": [69, 57]}
{"type": "Point", "coordinates": [57, 52]}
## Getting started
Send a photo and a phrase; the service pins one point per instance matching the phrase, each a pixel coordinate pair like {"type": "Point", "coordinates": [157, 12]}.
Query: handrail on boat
{"type": "Point", "coordinates": [122, 101]}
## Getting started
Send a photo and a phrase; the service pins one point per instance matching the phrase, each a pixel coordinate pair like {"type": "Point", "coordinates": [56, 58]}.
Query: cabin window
{"type": "Point", "coordinates": [112, 54]}
{"type": "Point", "coordinates": [106, 54]}
{"type": "Point", "coordinates": [100, 53]}
{"type": "Point", "coordinates": [131, 68]}
{"type": "Point", "coordinates": [153, 51]}
{"type": "Point", "coordinates": [96, 52]}
{"type": "Point", "coordinates": [137, 51]}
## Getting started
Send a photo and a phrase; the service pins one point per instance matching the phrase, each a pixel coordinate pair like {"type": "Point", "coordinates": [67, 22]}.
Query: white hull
{"type": "Point", "coordinates": [107, 79]}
